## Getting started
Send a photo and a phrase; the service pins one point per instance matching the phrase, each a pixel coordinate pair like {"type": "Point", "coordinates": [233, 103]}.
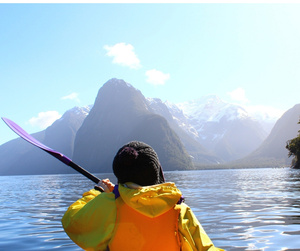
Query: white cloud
{"type": "Point", "coordinates": [264, 112]}
{"type": "Point", "coordinates": [123, 54]}
{"type": "Point", "coordinates": [238, 95]}
{"type": "Point", "coordinates": [156, 77]}
{"type": "Point", "coordinates": [44, 119]}
{"type": "Point", "coordinates": [72, 96]}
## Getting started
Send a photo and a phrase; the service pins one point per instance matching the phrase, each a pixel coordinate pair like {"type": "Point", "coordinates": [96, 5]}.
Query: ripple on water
{"type": "Point", "coordinates": [249, 209]}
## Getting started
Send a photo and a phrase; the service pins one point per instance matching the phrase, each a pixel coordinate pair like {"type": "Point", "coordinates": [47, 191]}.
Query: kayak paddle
{"type": "Point", "coordinates": [23, 134]}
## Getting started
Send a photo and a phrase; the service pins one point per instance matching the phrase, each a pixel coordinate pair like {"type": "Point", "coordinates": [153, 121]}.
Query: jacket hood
{"type": "Point", "coordinates": [151, 201]}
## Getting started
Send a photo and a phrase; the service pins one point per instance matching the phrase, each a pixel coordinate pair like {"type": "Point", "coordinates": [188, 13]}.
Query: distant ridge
{"type": "Point", "coordinates": [20, 157]}
{"type": "Point", "coordinates": [273, 148]}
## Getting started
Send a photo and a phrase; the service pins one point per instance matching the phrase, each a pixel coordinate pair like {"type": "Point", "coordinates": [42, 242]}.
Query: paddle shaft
{"type": "Point", "coordinates": [84, 172]}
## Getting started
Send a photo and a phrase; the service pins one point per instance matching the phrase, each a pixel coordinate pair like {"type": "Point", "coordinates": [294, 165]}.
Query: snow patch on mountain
{"type": "Point", "coordinates": [84, 110]}
{"type": "Point", "coordinates": [211, 108]}
{"type": "Point", "coordinates": [78, 111]}
{"type": "Point", "coordinates": [172, 112]}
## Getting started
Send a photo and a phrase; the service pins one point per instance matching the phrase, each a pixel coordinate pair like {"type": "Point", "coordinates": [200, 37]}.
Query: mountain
{"type": "Point", "coordinates": [15, 154]}
{"type": "Point", "coordinates": [61, 134]}
{"type": "Point", "coordinates": [121, 114]}
{"type": "Point", "coordinates": [273, 148]}
{"type": "Point", "coordinates": [219, 126]}
{"type": "Point", "coordinates": [20, 157]}
{"type": "Point", "coordinates": [187, 134]}
{"type": "Point", "coordinates": [204, 131]}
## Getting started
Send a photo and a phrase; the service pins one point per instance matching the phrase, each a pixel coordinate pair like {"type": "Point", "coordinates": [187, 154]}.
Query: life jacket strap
{"type": "Point", "coordinates": [116, 191]}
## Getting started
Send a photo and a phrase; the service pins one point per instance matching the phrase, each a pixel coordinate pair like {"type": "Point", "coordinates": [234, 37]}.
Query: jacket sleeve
{"type": "Point", "coordinates": [192, 235]}
{"type": "Point", "coordinates": [89, 221]}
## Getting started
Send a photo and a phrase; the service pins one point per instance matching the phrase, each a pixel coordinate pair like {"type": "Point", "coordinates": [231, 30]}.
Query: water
{"type": "Point", "coordinates": [244, 209]}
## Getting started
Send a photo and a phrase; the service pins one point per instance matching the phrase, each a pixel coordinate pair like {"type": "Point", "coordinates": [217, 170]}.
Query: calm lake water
{"type": "Point", "coordinates": [243, 209]}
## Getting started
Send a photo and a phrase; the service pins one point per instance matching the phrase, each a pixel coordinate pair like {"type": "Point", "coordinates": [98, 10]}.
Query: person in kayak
{"type": "Point", "coordinates": [142, 212]}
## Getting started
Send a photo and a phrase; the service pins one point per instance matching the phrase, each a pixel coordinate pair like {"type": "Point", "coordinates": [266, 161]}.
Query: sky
{"type": "Point", "coordinates": [54, 57]}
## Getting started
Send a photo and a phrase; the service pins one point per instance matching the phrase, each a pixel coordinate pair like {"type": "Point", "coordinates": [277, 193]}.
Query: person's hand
{"type": "Point", "coordinates": [106, 185]}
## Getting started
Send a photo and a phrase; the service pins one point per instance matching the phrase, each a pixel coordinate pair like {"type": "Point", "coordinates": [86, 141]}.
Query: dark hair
{"type": "Point", "coordinates": [138, 162]}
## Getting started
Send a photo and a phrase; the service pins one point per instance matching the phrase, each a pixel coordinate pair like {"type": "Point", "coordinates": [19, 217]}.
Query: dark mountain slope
{"type": "Point", "coordinates": [273, 148]}
{"type": "Point", "coordinates": [121, 114]}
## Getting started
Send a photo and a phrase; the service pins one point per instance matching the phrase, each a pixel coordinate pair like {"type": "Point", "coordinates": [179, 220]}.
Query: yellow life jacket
{"type": "Point", "coordinates": [137, 232]}
{"type": "Point", "coordinates": [143, 217]}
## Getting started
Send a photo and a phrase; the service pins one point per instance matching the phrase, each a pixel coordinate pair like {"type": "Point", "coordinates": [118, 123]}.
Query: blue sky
{"type": "Point", "coordinates": [57, 56]}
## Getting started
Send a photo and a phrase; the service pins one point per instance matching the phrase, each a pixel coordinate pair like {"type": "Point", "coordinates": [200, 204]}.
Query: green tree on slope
{"type": "Point", "coordinates": [293, 146]}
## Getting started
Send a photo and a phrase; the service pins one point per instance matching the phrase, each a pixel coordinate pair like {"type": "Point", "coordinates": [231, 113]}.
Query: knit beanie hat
{"type": "Point", "coordinates": [138, 162]}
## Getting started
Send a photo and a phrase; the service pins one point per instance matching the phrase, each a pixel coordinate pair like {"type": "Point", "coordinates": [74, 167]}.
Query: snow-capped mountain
{"type": "Point", "coordinates": [219, 126]}
{"type": "Point", "coordinates": [209, 109]}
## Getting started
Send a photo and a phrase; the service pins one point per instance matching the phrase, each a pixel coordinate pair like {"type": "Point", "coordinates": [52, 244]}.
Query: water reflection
{"type": "Point", "coordinates": [246, 209]}
{"type": "Point", "coordinates": [253, 209]}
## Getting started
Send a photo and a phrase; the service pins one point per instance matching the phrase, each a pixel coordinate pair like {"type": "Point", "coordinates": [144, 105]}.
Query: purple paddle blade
{"type": "Point", "coordinates": [23, 134]}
